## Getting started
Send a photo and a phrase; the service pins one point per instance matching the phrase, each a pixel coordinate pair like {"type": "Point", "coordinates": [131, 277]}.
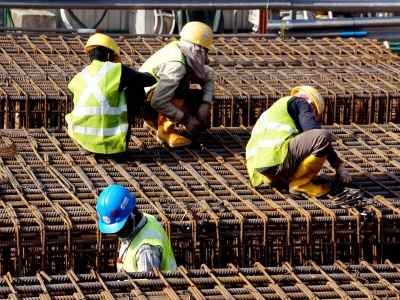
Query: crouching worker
{"type": "Point", "coordinates": [178, 66]}
{"type": "Point", "coordinates": [106, 97]}
{"type": "Point", "coordinates": [288, 145]}
{"type": "Point", "coordinates": [143, 241]}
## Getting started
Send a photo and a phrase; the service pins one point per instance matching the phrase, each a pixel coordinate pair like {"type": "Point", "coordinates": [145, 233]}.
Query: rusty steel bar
{"type": "Point", "coordinates": [357, 77]}
{"type": "Point", "coordinates": [199, 193]}
{"type": "Point", "coordinates": [295, 282]}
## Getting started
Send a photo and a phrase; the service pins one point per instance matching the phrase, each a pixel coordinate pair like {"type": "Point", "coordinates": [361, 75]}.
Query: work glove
{"type": "Point", "coordinates": [192, 125]}
{"type": "Point", "coordinates": [342, 174]}
{"type": "Point", "coordinates": [204, 115]}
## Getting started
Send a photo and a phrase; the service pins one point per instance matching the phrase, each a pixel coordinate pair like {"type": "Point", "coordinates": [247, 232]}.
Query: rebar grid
{"type": "Point", "coordinates": [338, 281]}
{"type": "Point", "coordinates": [200, 194]}
{"type": "Point", "coordinates": [357, 77]}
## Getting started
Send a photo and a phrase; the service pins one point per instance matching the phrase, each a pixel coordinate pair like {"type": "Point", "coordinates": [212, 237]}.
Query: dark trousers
{"type": "Point", "coordinates": [317, 142]}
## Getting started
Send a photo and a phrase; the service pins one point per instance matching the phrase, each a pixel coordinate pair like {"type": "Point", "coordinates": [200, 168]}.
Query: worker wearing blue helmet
{"type": "Point", "coordinates": [143, 241]}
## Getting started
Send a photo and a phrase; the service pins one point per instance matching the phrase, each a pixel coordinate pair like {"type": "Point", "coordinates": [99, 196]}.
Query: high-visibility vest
{"type": "Point", "coordinates": [153, 234]}
{"type": "Point", "coordinates": [99, 119]}
{"type": "Point", "coordinates": [170, 52]}
{"type": "Point", "coordinates": [270, 138]}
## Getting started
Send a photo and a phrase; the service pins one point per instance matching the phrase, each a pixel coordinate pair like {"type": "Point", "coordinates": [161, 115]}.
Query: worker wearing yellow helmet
{"type": "Point", "coordinates": [102, 40]}
{"type": "Point", "coordinates": [288, 146]}
{"type": "Point", "coordinates": [177, 67]}
{"type": "Point", "coordinates": [107, 95]}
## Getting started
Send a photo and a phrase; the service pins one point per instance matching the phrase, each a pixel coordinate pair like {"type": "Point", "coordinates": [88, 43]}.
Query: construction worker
{"type": "Point", "coordinates": [143, 241]}
{"type": "Point", "coordinates": [288, 145]}
{"type": "Point", "coordinates": [107, 95]}
{"type": "Point", "coordinates": [178, 66]}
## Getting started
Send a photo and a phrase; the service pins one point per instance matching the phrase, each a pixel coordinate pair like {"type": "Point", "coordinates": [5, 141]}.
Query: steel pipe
{"type": "Point", "coordinates": [335, 23]}
{"type": "Point", "coordinates": [346, 6]}
{"type": "Point", "coordinates": [160, 4]}
{"type": "Point", "coordinates": [378, 34]}
{"type": "Point", "coordinates": [340, 5]}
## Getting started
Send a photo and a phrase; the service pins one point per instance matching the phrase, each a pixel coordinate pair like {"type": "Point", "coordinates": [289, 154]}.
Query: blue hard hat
{"type": "Point", "coordinates": [114, 206]}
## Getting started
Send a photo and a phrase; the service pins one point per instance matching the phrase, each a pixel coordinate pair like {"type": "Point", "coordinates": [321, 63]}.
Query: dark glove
{"type": "Point", "coordinates": [192, 125]}
{"type": "Point", "coordinates": [204, 115]}
{"type": "Point", "coordinates": [342, 174]}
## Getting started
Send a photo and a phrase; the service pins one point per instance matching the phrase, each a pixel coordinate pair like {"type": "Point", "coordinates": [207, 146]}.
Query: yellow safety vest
{"type": "Point", "coordinates": [153, 234]}
{"type": "Point", "coordinates": [170, 52]}
{"type": "Point", "coordinates": [270, 138]}
{"type": "Point", "coordinates": [99, 119]}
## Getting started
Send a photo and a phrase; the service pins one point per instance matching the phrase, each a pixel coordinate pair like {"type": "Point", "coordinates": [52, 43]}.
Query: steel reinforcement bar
{"type": "Point", "coordinates": [357, 77]}
{"type": "Point", "coordinates": [201, 195]}
{"type": "Point", "coordinates": [338, 281]}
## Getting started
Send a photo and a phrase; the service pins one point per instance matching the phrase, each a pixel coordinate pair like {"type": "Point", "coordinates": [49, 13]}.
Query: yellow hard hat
{"type": "Point", "coordinates": [100, 39]}
{"type": "Point", "coordinates": [198, 33]}
{"type": "Point", "coordinates": [316, 98]}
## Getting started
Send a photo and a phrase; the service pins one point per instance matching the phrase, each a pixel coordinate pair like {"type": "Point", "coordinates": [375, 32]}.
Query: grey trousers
{"type": "Point", "coordinates": [316, 141]}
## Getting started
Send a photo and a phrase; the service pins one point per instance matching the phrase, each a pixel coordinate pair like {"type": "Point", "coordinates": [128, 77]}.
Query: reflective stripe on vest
{"type": "Point", "coordinates": [100, 131]}
{"type": "Point", "coordinates": [269, 141]}
{"type": "Point", "coordinates": [99, 119]}
{"type": "Point", "coordinates": [266, 125]}
{"type": "Point", "coordinates": [153, 234]}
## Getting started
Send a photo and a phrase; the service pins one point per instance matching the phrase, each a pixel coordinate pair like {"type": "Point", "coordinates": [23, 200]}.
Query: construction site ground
{"type": "Point", "coordinates": [231, 240]}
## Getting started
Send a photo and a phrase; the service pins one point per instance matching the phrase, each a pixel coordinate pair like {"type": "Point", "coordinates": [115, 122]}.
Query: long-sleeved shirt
{"type": "Point", "coordinates": [174, 77]}
{"type": "Point", "coordinates": [133, 82]}
{"type": "Point", "coordinates": [301, 112]}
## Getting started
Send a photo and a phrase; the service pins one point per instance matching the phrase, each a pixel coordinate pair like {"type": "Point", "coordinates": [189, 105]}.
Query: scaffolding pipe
{"type": "Point", "coordinates": [370, 34]}
{"type": "Point", "coordinates": [347, 6]}
{"type": "Point", "coordinates": [380, 22]}
{"type": "Point", "coordinates": [327, 5]}
{"type": "Point", "coordinates": [381, 31]}
{"type": "Point", "coordinates": [156, 4]}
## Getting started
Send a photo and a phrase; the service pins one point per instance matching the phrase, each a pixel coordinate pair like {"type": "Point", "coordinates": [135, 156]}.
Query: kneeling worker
{"type": "Point", "coordinates": [178, 66]}
{"type": "Point", "coordinates": [287, 144]}
{"type": "Point", "coordinates": [107, 95]}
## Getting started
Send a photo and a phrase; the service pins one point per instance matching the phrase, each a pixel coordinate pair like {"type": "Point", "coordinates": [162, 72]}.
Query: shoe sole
{"type": "Point", "coordinates": [279, 184]}
{"type": "Point", "coordinates": [171, 146]}
{"type": "Point", "coordinates": [294, 192]}
{"type": "Point", "coordinates": [149, 127]}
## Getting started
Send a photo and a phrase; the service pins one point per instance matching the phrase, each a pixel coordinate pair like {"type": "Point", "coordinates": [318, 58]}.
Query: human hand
{"type": "Point", "coordinates": [342, 174]}
{"type": "Point", "coordinates": [192, 125]}
{"type": "Point", "coordinates": [204, 115]}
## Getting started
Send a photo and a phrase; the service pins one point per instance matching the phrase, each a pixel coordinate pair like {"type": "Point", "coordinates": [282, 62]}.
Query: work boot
{"type": "Point", "coordinates": [167, 133]}
{"type": "Point", "coordinates": [151, 124]}
{"type": "Point", "coordinates": [307, 170]}
{"type": "Point", "coordinates": [274, 181]}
